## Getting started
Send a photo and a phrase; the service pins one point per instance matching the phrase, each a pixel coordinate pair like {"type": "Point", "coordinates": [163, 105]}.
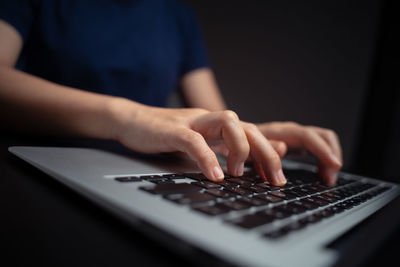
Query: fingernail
{"type": "Point", "coordinates": [281, 177]}
{"type": "Point", "coordinates": [335, 159]}
{"type": "Point", "coordinates": [218, 173]}
{"type": "Point", "coordinates": [239, 169]}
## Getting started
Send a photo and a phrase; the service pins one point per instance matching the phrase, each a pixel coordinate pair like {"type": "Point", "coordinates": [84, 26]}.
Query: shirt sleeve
{"type": "Point", "coordinates": [194, 50]}
{"type": "Point", "coordinates": [19, 14]}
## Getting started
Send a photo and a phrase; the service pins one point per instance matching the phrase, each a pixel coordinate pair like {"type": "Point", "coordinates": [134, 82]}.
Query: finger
{"type": "Point", "coordinates": [226, 125]}
{"type": "Point", "coordinates": [297, 136]}
{"type": "Point", "coordinates": [279, 146]}
{"type": "Point", "coordinates": [220, 149]}
{"type": "Point", "coordinates": [265, 155]}
{"type": "Point", "coordinates": [333, 141]}
{"type": "Point", "coordinates": [193, 144]}
{"type": "Point", "coordinates": [329, 163]}
{"type": "Point", "coordinates": [329, 175]}
{"type": "Point", "coordinates": [259, 169]}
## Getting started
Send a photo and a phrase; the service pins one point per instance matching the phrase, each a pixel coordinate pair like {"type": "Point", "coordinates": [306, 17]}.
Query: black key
{"type": "Point", "coordinates": [252, 179]}
{"type": "Point", "coordinates": [277, 214]}
{"type": "Point", "coordinates": [277, 233]}
{"type": "Point", "coordinates": [303, 175]}
{"type": "Point", "coordinates": [309, 219]}
{"type": "Point", "coordinates": [220, 193]}
{"type": "Point", "coordinates": [322, 186]}
{"type": "Point", "coordinates": [347, 204]}
{"type": "Point", "coordinates": [165, 189]}
{"type": "Point", "coordinates": [268, 186]}
{"type": "Point", "coordinates": [195, 176]}
{"type": "Point", "coordinates": [162, 181]}
{"type": "Point", "coordinates": [283, 194]}
{"type": "Point", "coordinates": [151, 177]}
{"type": "Point", "coordinates": [251, 173]}
{"type": "Point", "coordinates": [296, 182]}
{"type": "Point", "coordinates": [317, 201]}
{"type": "Point", "coordinates": [238, 190]}
{"type": "Point", "coordinates": [269, 198]}
{"type": "Point", "coordinates": [253, 201]}
{"type": "Point", "coordinates": [304, 191]}
{"type": "Point", "coordinates": [173, 176]}
{"type": "Point", "coordinates": [342, 193]}
{"type": "Point", "coordinates": [290, 208]}
{"type": "Point", "coordinates": [310, 189]}
{"type": "Point", "coordinates": [325, 198]}
{"type": "Point", "coordinates": [239, 181]}
{"type": "Point", "coordinates": [316, 188]}
{"type": "Point", "coordinates": [252, 221]}
{"type": "Point", "coordinates": [308, 205]}
{"type": "Point", "coordinates": [342, 206]}
{"type": "Point", "coordinates": [331, 197]}
{"type": "Point", "coordinates": [206, 185]}
{"type": "Point", "coordinates": [288, 185]}
{"type": "Point", "coordinates": [212, 210]}
{"type": "Point", "coordinates": [233, 205]}
{"type": "Point", "coordinates": [128, 179]}
{"type": "Point", "coordinates": [325, 213]}
{"type": "Point", "coordinates": [291, 192]}
{"type": "Point", "coordinates": [297, 192]}
{"type": "Point", "coordinates": [254, 188]}
{"type": "Point", "coordinates": [359, 199]}
{"type": "Point", "coordinates": [342, 181]}
{"type": "Point", "coordinates": [190, 198]}
{"type": "Point", "coordinates": [336, 209]}
{"type": "Point", "coordinates": [225, 183]}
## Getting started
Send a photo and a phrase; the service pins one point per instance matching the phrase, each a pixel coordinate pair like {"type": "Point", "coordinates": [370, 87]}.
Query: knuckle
{"type": "Point", "coordinates": [199, 110]}
{"type": "Point", "coordinates": [188, 137]}
{"type": "Point", "coordinates": [331, 133]}
{"type": "Point", "coordinates": [292, 124]}
{"type": "Point", "coordinates": [251, 127]}
{"type": "Point", "coordinates": [306, 135]}
{"type": "Point", "coordinates": [229, 116]}
{"type": "Point", "coordinates": [308, 132]}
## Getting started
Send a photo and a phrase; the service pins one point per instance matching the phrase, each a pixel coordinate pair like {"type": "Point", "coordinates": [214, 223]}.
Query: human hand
{"type": "Point", "coordinates": [322, 143]}
{"type": "Point", "coordinates": [157, 130]}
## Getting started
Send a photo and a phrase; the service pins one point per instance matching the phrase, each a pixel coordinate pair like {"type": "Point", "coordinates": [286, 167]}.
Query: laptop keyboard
{"type": "Point", "coordinates": [248, 202]}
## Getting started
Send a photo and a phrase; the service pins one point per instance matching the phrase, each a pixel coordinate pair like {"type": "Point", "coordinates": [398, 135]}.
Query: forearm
{"type": "Point", "coordinates": [200, 90]}
{"type": "Point", "coordinates": [29, 103]}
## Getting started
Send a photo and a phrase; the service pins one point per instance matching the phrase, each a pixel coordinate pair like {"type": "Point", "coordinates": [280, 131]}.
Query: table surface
{"type": "Point", "coordinates": [43, 222]}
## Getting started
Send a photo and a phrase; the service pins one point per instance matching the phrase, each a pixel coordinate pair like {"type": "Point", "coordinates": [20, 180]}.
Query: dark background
{"type": "Point", "coordinates": [313, 62]}
{"type": "Point", "coordinates": [328, 63]}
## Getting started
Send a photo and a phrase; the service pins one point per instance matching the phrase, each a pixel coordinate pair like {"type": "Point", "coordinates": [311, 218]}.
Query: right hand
{"type": "Point", "coordinates": [156, 130]}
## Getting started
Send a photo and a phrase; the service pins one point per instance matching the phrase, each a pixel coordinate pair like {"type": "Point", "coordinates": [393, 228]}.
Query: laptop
{"type": "Point", "coordinates": [240, 221]}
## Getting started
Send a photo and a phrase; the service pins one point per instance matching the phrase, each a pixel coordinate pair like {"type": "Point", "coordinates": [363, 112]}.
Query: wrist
{"type": "Point", "coordinates": [121, 112]}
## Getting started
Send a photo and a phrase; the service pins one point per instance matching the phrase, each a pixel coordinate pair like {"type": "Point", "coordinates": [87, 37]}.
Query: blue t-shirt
{"type": "Point", "coordinates": [137, 49]}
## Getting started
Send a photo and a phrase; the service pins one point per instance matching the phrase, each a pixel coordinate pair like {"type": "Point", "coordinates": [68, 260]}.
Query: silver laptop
{"type": "Point", "coordinates": [241, 221]}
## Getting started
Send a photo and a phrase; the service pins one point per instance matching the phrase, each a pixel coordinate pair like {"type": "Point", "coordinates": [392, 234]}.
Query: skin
{"type": "Point", "coordinates": [200, 132]}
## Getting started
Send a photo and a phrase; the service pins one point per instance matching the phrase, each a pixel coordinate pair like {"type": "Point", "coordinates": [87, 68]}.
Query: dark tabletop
{"type": "Point", "coordinates": [46, 224]}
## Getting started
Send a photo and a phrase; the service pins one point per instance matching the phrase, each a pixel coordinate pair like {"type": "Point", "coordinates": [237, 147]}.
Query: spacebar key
{"type": "Point", "coordinates": [166, 189]}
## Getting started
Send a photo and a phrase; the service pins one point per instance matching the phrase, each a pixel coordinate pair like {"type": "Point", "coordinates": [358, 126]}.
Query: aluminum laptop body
{"type": "Point", "coordinates": [93, 173]}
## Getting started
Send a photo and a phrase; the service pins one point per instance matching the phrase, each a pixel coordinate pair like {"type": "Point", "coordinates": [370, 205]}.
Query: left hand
{"type": "Point", "coordinates": [322, 143]}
